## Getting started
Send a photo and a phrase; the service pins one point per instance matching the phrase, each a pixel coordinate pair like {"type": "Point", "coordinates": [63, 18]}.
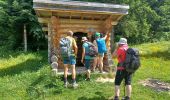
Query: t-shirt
{"type": "Point", "coordinates": [85, 45]}
{"type": "Point", "coordinates": [121, 53]}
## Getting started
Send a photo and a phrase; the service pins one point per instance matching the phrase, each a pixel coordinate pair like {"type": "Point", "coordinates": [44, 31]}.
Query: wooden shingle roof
{"type": "Point", "coordinates": [80, 6]}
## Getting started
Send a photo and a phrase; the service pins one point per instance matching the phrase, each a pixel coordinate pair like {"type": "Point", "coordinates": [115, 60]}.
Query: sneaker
{"type": "Point", "coordinates": [116, 98]}
{"type": "Point", "coordinates": [66, 84]}
{"type": "Point", "coordinates": [127, 98]}
{"type": "Point", "coordinates": [102, 72]}
{"type": "Point", "coordinates": [87, 79]}
{"type": "Point", "coordinates": [75, 85]}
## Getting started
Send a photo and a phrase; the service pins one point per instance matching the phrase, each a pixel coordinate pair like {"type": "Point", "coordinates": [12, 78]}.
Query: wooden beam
{"type": "Point", "coordinates": [79, 26]}
{"type": "Point", "coordinates": [79, 11]}
{"type": "Point", "coordinates": [73, 21]}
{"type": "Point", "coordinates": [63, 29]}
{"type": "Point", "coordinates": [49, 41]}
{"type": "Point", "coordinates": [120, 16]}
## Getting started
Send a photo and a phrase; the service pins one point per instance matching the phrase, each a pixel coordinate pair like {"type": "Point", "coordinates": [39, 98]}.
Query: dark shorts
{"type": "Point", "coordinates": [71, 60]}
{"type": "Point", "coordinates": [123, 74]}
{"type": "Point", "coordinates": [88, 63]}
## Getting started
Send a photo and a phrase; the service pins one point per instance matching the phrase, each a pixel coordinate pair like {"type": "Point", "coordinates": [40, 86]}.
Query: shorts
{"type": "Point", "coordinates": [71, 60]}
{"type": "Point", "coordinates": [87, 63]}
{"type": "Point", "coordinates": [101, 54]}
{"type": "Point", "coordinates": [123, 74]}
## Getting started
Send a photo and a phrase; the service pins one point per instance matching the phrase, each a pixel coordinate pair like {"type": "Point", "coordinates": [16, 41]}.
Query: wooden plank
{"type": "Point", "coordinates": [79, 26]}
{"type": "Point", "coordinates": [74, 29]}
{"type": "Point", "coordinates": [72, 21]}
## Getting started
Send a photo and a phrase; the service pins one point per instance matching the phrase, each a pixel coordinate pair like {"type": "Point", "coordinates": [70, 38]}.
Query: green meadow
{"type": "Point", "coordinates": [28, 76]}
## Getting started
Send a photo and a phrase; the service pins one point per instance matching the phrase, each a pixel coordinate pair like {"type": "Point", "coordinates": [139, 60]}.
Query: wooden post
{"type": "Point", "coordinates": [25, 39]}
{"type": "Point", "coordinates": [49, 42]}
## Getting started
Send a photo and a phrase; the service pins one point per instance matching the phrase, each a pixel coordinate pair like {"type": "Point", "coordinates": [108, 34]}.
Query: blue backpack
{"type": "Point", "coordinates": [65, 47]}
{"type": "Point", "coordinates": [101, 45]}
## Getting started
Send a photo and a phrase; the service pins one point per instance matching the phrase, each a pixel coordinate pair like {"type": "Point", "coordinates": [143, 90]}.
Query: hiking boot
{"type": "Point", "coordinates": [75, 85]}
{"type": "Point", "coordinates": [66, 84]}
{"type": "Point", "coordinates": [116, 98]}
{"type": "Point", "coordinates": [127, 98]}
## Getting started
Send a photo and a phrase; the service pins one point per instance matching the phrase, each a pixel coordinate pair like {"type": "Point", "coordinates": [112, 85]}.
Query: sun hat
{"type": "Point", "coordinates": [84, 39]}
{"type": "Point", "coordinates": [122, 41]}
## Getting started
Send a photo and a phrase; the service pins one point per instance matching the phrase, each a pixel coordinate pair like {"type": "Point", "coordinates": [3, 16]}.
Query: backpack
{"type": "Point", "coordinates": [92, 50]}
{"type": "Point", "coordinates": [132, 61]}
{"type": "Point", "coordinates": [101, 45]}
{"type": "Point", "coordinates": [65, 47]}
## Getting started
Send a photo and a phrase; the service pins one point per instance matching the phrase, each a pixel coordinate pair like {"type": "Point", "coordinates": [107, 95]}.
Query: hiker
{"type": "Point", "coordinates": [70, 60]}
{"type": "Point", "coordinates": [95, 61]}
{"type": "Point", "coordinates": [121, 73]}
{"type": "Point", "coordinates": [101, 45]}
{"type": "Point", "coordinates": [89, 52]}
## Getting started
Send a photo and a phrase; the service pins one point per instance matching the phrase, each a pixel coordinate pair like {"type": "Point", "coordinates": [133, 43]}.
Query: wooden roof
{"type": "Point", "coordinates": [80, 7]}
{"type": "Point", "coordinates": [79, 13]}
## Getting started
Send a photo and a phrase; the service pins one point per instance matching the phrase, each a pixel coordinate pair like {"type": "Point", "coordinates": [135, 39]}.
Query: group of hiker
{"type": "Point", "coordinates": [94, 51]}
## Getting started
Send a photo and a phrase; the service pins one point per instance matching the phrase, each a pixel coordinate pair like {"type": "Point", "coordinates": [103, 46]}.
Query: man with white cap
{"type": "Point", "coordinates": [121, 73]}
{"type": "Point", "coordinates": [86, 56]}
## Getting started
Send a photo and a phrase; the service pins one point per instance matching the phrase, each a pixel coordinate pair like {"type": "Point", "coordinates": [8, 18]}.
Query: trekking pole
{"type": "Point", "coordinates": [124, 91]}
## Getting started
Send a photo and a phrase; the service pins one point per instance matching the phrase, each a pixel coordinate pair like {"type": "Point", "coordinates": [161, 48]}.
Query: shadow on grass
{"type": "Point", "coordinates": [98, 97]}
{"type": "Point", "coordinates": [44, 85]}
{"type": "Point", "coordinates": [6, 54]}
{"type": "Point", "coordinates": [29, 65]}
{"type": "Point", "coordinates": [165, 55]}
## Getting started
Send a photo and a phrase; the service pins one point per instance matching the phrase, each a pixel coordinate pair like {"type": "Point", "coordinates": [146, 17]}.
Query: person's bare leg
{"type": "Point", "coordinates": [73, 72]}
{"type": "Point", "coordinates": [65, 71]}
{"type": "Point", "coordinates": [88, 73]}
{"type": "Point", "coordinates": [117, 90]}
{"type": "Point", "coordinates": [101, 64]}
{"type": "Point", "coordinates": [94, 64]}
{"type": "Point", "coordinates": [65, 74]}
{"type": "Point", "coordinates": [128, 90]}
{"type": "Point", "coordinates": [74, 76]}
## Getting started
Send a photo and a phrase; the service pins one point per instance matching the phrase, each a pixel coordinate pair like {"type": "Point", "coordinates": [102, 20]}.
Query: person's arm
{"type": "Point", "coordinates": [83, 54]}
{"type": "Point", "coordinates": [114, 54]}
{"type": "Point", "coordinates": [75, 47]}
{"type": "Point", "coordinates": [106, 35]}
{"type": "Point", "coordinates": [95, 43]}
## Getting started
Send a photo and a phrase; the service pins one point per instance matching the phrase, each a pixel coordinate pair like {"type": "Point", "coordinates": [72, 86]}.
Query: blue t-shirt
{"type": "Point", "coordinates": [85, 45]}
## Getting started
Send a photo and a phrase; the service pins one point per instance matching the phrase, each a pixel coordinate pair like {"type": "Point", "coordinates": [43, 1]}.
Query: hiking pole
{"type": "Point", "coordinates": [124, 90]}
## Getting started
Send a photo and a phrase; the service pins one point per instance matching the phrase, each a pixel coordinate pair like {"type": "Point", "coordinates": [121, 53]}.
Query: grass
{"type": "Point", "coordinates": [27, 76]}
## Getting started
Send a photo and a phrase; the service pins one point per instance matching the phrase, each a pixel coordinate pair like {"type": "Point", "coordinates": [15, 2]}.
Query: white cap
{"type": "Point", "coordinates": [122, 41]}
{"type": "Point", "coordinates": [84, 38]}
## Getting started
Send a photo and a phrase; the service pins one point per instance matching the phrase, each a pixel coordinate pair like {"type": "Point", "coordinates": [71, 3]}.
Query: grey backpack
{"type": "Point", "coordinates": [92, 50]}
{"type": "Point", "coordinates": [132, 61]}
{"type": "Point", "coordinates": [65, 48]}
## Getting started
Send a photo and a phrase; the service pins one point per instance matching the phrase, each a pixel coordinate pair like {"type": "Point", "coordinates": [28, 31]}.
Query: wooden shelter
{"type": "Point", "coordinates": [83, 18]}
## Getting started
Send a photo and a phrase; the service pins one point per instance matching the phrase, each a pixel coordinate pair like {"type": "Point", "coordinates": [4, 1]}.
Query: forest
{"type": "Point", "coordinates": [147, 21]}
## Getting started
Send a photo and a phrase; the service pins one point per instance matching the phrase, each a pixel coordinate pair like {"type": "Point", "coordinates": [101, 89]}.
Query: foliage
{"type": "Point", "coordinates": [16, 14]}
{"type": "Point", "coordinates": [147, 21]}
{"type": "Point", "coordinates": [28, 76]}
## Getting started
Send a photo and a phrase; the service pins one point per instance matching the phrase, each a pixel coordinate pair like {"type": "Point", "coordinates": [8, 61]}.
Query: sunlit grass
{"type": "Point", "coordinates": [28, 76]}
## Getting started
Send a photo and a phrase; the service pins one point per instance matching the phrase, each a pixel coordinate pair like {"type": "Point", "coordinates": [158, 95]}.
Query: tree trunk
{"type": "Point", "coordinates": [25, 39]}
